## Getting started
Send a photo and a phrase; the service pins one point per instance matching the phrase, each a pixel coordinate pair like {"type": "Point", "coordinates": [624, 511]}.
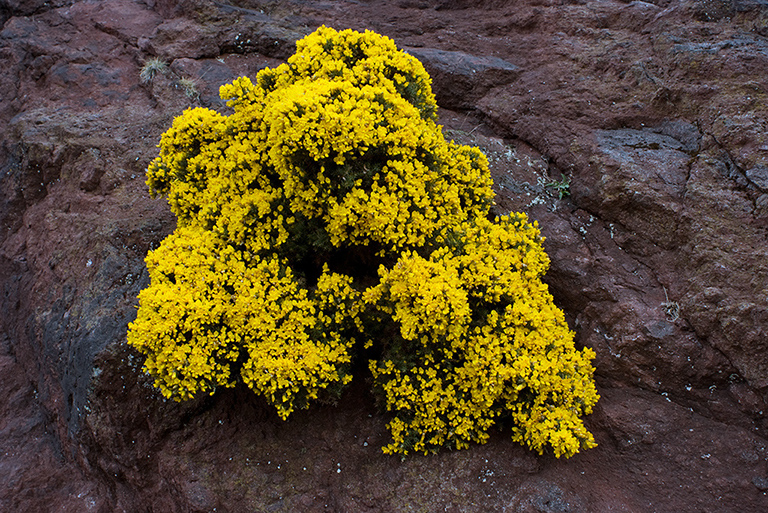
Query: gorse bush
{"type": "Point", "coordinates": [327, 222]}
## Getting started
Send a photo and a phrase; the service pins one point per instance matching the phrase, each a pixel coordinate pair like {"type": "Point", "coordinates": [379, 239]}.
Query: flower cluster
{"type": "Point", "coordinates": [480, 339]}
{"type": "Point", "coordinates": [327, 219]}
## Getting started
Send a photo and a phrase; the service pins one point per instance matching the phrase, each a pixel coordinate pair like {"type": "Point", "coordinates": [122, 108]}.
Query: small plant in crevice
{"type": "Point", "coordinates": [190, 88]}
{"type": "Point", "coordinates": [561, 187]}
{"type": "Point", "coordinates": [156, 66]}
{"type": "Point", "coordinates": [671, 308]}
{"type": "Point", "coordinates": [151, 68]}
{"type": "Point", "coordinates": [326, 224]}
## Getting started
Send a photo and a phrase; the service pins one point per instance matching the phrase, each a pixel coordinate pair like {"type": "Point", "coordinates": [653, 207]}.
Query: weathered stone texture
{"type": "Point", "coordinates": [635, 133]}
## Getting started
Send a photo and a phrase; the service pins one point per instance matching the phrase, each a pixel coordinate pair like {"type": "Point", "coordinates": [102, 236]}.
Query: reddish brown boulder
{"type": "Point", "coordinates": [634, 133]}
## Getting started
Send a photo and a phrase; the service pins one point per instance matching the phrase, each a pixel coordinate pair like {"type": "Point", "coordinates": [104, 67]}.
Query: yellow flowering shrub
{"type": "Point", "coordinates": [480, 339]}
{"type": "Point", "coordinates": [327, 220]}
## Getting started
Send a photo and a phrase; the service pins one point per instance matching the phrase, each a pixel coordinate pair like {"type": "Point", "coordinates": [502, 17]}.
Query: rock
{"type": "Point", "coordinates": [758, 175]}
{"type": "Point", "coordinates": [633, 133]}
{"type": "Point", "coordinates": [460, 79]}
{"type": "Point", "coordinates": [685, 134]}
{"type": "Point", "coordinates": [30, 454]}
{"type": "Point", "coordinates": [128, 21]}
{"type": "Point", "coordinates": [641, 178]}
{"type": "Point", "coordinates": [182, 38]}
{"type": "Point", "coordinates": [11, 8]}
{"type": "Point", "coordinates": [760, 483]}
{"type": "Point", "coordinates": [540, 496]}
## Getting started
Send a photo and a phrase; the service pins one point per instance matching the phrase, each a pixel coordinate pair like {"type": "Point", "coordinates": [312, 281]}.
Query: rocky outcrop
{"type": "Point", "coordinates": [470, 77]}
{"type": "Point", "coordinates": [634, 133]}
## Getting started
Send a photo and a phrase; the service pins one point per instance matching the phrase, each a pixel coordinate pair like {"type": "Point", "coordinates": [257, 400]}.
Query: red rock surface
{"type": "Point", "coordinates": [654, 114]}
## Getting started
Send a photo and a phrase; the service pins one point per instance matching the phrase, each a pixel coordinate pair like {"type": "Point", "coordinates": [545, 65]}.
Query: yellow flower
{"type": "Point", "coordinates": [327, 217]}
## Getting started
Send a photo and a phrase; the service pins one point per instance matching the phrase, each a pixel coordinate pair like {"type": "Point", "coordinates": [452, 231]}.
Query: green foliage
{"type": "Point", "coordinates": [328, 219]}
{"type": "Point", "coordinates": [563, 187]}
